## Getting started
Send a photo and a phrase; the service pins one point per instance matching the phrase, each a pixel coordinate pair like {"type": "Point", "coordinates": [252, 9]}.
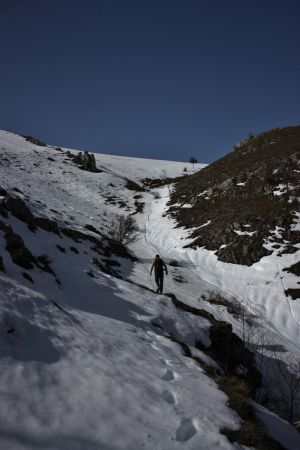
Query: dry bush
{"type": "Point", "coordinates": [250, 432]}
{"type": "Point", "coordinates": [124, 229]}
{"type": "Point", "coordinates": [239, 393]}
{"type": "Point", "coordinates": [287, 376]}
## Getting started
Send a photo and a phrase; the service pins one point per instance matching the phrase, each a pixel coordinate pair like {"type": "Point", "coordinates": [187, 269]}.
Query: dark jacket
{"type": "Point", "coordinates": [159, 267]}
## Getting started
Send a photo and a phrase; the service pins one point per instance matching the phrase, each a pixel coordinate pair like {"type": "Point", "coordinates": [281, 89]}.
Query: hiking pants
{"type": "Point", "coordinates": [159, 280]}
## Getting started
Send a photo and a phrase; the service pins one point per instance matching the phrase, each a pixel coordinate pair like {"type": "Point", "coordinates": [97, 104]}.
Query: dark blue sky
{"type": "Point", "coordinates": [157, 79]}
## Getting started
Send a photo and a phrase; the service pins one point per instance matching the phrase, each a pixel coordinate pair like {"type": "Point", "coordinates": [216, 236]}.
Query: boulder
{"type": "Point", "coordinates": [86, 161]}
{"type": "Point", "coordinates": [19, 209]}
{"type": "Point", "coordinates": [232, 353]}
{"type": "Point", "coordinates": [20, 255]}
{"type": "Point", "coordinates": [47, 224]}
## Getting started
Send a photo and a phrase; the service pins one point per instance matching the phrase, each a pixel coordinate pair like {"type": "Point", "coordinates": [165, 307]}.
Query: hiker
{"type": "Point", "coordinates": [159, 267]}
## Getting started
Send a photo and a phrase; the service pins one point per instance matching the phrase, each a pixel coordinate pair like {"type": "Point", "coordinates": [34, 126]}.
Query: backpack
{"type": "Point", "coordinates": [158, 265]}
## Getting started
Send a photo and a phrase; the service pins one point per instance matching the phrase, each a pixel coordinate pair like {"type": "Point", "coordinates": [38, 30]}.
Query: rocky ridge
{"type": "Point", "coordinates": [245, 200]}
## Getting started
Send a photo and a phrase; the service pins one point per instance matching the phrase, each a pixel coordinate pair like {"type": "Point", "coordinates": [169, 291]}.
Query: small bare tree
{"type": "Point", "coordinates": [124, 229]}
{"type": "Point", "coordinates": [288, 379]}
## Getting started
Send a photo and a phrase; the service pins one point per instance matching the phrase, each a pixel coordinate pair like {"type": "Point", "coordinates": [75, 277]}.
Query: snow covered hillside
{"type": "Point", "coordinates": [91, 357]}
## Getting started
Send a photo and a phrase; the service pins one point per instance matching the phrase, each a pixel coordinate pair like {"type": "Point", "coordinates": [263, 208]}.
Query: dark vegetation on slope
{"type": "Point", "coordinates": [295, 269]}
{"type": "Point", "coordinates": [226, 347]}
{"type": "Point", "coordinates": [231, 354]}
{"type": "Point", "coordinates": [153, 183]}
{"type": "Point", "coordinates": [133, 186]}
{"type": "Point", "coordinates": [222, 206]}
{"type": "Point", "coordinates": [250, 433]}
{"type": "Point", "coordinates": [34, 141]}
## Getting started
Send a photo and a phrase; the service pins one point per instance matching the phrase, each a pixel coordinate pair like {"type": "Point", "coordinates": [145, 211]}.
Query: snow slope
{"type": "Point", "coordinates": [259, 287]}
{"type": "Point", "coordinates": [84, 364]}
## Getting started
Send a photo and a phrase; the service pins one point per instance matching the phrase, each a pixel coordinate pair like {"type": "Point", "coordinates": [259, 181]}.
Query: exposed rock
{"type": "Point", "coordinates": [295, 269]}
{"type": "Point", "coordinates": [15, 246]}
{"type": "Point", "coordinates": [5, 227]}
{"type": "Point", "coordinates": [1, 264]}
{"type": "Point", "coordinates": [20, 255]}
{"type": "Point", "coordinates": [47, 224]}
{"type": "Point", "coordinates": [34, 141]}
{"type": "Point", "coordinates": [19, 209]}
{"type": "Point", "coordinates": [293, 293]}
{"type": "Point", "coordinates": [86, 161]}
{"type": "Point", "coordinates": [27, 277]}
{"type": "Point", "coordinates": [79, 236]}
{"type": "Point", "coordinates": [133, 186]}
{"type": "Point", "coordinates": [243, 250]}
{"type": "Point", "coordinates": [288, 249]}
{"type": "Point", "coordinates": [44, 263]}
{"type": "Point", "coordinates": [153, 183]}
{"type": "Point", "coordinates": [105, 268]}
{"type": "Point", "coordinates": [232, 353]}
{"type": "Point", "coordinates": [92, 228]}
{"type": "Point", "coordinates": [226, 347]}
{"type": "Point", "coordinates": [233, 203]}
{"type": "Point", "coordinates": [3, 211]}
{"type": "Point", "coordinates": [111, 262]}
{"type": "Point", "coordinates": [61, 248]}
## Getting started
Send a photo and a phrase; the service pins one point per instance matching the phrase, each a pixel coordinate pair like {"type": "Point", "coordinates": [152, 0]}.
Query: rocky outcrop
{"type": "Point", "coordinates": [226, 347]}
{"type": "Point", "coordinates": [17, 207]}
{"type": "Point", "coordinates": [133, 186]}
{"type": "Point", "coordinates": [47, 224]}
{"type": "Point", "coordinates": [3, 211]}
{"type": "Point", "coordinates": [295, 269]}
{"type": "Point", "coordinates": [34, 141]}
{"type": "Point", "coordinates": [20, 255]}
{"type": "Point", "coordinates": [231, 352]}
{"type": "Point", "coordinates": [1, 264]}
{"type": "Point", "coordinates": [243, 250]}
{"type": "Point", "coordinates": [86, 161]}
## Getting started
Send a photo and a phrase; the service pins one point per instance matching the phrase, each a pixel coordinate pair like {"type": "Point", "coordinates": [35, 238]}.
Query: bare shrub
{"type": "Point", "coordinates": [124, 229]}
{"type": "Point", "coordinates": [156, 195]}
{"type": "Point", "coordinates": [287, 375]}
{"type": "Point", "coordinates": [250, 432]}
{"type": "Point", "coordinates": [239, 394]}
{"type": "Point", "coordinates": [233, 306]}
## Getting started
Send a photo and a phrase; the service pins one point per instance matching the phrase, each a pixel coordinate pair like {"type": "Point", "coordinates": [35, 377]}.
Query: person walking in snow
{"type": "Point", "coordinates": [159, 268]}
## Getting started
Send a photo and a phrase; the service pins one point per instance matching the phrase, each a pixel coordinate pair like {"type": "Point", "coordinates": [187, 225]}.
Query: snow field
{"type": "Point", "coordinates": [95, 372]}
{"type": "Point", "coordinates": [259, 287]}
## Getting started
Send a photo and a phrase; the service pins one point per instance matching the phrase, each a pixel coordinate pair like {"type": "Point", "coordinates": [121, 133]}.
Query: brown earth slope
{"type": "Point", "coordinates": [253, 190]}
